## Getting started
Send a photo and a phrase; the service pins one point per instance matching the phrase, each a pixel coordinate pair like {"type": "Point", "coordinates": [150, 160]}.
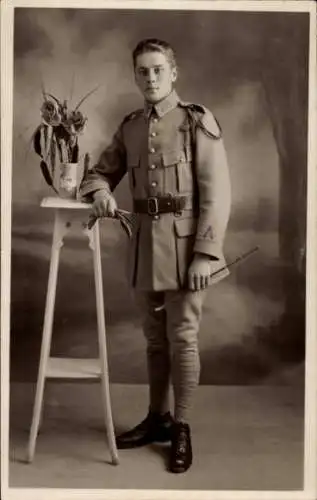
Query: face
{"type": "Point", "coordinates": [154, 76]}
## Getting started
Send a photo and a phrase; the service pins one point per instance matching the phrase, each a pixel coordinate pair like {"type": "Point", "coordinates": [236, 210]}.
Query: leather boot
{"type": "Point", "coordinates": [181, 455]}
{"type": "Point", "coordinates": [154, 428]}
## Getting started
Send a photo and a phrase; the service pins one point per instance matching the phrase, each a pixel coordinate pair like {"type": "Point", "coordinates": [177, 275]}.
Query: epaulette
{"type": "Point", "coordinates": [204, 119]}
{"type": "Point", "coordinates": [133, 115]}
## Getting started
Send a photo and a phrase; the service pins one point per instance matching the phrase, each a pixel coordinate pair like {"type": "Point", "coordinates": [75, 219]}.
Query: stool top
{"type": "Point", "coordinates": [57, 202]}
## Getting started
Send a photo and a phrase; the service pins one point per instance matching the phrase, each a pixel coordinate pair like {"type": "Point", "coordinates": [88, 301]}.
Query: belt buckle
{"type": "Point", "coordinates": [152, 205]}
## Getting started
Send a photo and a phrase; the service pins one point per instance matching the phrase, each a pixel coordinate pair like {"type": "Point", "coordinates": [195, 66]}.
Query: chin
{"type": "Point", "coordinates": [152, 98]}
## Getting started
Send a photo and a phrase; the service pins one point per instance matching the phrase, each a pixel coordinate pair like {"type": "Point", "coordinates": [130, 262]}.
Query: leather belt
{"type": "Point", "coordinates": [159, 205]}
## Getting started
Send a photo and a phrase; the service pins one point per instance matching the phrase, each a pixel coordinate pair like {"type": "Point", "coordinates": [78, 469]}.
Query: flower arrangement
{"type": "Point", "coordinates": [58, 134]}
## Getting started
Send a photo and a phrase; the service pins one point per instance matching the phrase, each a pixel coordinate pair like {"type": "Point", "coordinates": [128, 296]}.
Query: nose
{"type": "Point", "coordinates": [151, 76]}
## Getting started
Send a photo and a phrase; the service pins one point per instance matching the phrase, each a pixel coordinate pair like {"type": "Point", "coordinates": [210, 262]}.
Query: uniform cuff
{"type": "Point", "coordinates": [210, 248]}
{"type": "Point", "coordinates": [88, 188]}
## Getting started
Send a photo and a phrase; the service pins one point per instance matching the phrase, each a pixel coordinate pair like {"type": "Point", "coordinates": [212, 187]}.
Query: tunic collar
{"type": "Point", "coordinates": [161, 108]}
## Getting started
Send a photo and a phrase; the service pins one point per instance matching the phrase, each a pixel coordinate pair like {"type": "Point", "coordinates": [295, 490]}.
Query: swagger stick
{"type": "Point", "coordinates": [232, 263]}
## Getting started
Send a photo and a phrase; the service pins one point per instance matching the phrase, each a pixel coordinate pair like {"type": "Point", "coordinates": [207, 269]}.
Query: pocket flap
{"type": "Point", "coordinates": [185, 227]}
{"type": "Point", "coordinates": [173, 157]}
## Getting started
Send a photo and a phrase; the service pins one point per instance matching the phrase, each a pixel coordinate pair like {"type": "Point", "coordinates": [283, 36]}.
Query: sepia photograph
{"type": "Point", "coordinates": [158, 250]}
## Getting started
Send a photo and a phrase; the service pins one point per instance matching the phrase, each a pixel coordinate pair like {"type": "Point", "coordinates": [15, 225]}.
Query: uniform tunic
{"type": "Point", "coordinates": [155, 146]}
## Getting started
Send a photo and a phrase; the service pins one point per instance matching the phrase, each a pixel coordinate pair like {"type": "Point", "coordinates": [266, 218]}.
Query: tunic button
{"type": "Point", "coordinates": [152, 150]}
{"type": "Point", "coordinates": [153, 134]}
{"type": "Point", "coordinates": [152, 167]}
{"type": "Point", "coordinates": [156, 217]}
{"type": "Point", "coordinates": [153, 183]}
{"type": "Point", "coordinates": [155, 120]}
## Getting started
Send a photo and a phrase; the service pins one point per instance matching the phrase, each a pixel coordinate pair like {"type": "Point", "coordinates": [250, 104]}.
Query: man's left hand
{"type": "Point", "coordinates": [199, 272]}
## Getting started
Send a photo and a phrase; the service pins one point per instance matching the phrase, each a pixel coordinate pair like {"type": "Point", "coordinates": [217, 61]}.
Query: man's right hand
{"type": "Point", "coordinates": [104, 204]}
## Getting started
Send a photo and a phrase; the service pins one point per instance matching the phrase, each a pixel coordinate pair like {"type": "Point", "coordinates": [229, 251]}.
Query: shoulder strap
{"type": "Point", "coordinates": [201, 117]}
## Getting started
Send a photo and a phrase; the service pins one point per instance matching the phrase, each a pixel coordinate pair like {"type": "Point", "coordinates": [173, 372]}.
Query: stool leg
{"type": "Point", "coordinates": [47, 333]}
{"type": "Point", "coordinates": [103, 345]}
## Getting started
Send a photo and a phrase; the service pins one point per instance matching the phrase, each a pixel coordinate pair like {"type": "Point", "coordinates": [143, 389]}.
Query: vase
{"type": "Point", "coordinates": [70, 178]}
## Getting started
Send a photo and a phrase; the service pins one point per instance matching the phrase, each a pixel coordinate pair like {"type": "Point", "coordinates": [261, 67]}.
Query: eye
{"type": "Point", "coordinates": [143, 72]}
{"type": "Point", "coordinates": [157, 71]}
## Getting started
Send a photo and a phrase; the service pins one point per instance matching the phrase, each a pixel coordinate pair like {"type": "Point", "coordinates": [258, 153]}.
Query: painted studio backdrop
{"type": "Point", "coordinates": [250, 69]}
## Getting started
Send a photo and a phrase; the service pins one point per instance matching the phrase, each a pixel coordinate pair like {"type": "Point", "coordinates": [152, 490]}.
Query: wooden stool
{"type": "Point", "coordinates": [68, 368]}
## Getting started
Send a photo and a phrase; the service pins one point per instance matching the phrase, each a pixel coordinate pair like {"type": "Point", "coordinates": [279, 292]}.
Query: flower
{"type": "Point", "coordinates": [51, 113]}
{"type": "Point", "coordinates": [75, 122]}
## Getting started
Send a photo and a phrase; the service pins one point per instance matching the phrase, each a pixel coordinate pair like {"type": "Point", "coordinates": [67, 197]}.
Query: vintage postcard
{"type": "Point", "coordinates": [158, 250]}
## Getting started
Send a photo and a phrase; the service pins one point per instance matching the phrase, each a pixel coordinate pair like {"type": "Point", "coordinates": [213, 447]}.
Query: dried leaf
{"type": "Point", "coordinates": [55, 98]}
{"type": "Point", "coordinates": [43, 134]}
{"type": "Point", "coordinates": [59, 149]}
{"type": "Point", "coordinates": [61, 133]}
{"type": "Point", "coordinates": [86, 168]}
{"type": "Point", "coordinates": [45, 137]}
{"type": "Point", "coordinates": [43, 90]}
{"type": "Point", "coordinates": [86, 96]}
{"type": "Point", "coordinates": [46, 174]}
{"type": "Point", "coordinates": [48, 140]}
{"type": "Point", "coordinates": [86, 165]}
{"type": "Point", "coordinates": [72, 86]}
{"type": "Point", "coordinates": [53, 155]}
{"type": "Point", "coordinates": [64, 151]}
{"type": "Point", "coordinates": [37, 140]}
{"type": "Point", "coordinates": [75, 152]}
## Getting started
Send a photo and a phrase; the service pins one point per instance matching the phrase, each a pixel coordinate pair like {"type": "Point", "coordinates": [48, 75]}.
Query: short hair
{"type": "Point", "coordinates": [154, 45]}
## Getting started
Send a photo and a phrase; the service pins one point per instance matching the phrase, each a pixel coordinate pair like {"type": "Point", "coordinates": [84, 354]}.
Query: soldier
{"type": "Point", "coordinates": [175, 159]}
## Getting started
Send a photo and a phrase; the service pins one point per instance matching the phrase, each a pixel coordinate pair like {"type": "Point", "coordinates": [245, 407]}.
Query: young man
{"type": "Point", "coordinates": [176, 162]}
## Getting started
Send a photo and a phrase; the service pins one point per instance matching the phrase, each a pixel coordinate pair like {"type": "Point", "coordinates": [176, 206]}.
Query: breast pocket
{"type": "Point", "coordinates": [181, 161]}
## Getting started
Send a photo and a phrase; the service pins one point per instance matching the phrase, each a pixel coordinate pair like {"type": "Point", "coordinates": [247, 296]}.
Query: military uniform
{"type": "Point", "coordinates": [170, 150]}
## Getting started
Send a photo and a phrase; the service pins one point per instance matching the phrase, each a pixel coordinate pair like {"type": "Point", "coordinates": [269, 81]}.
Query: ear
{"type": "Point", "coordinates": [174, 74]}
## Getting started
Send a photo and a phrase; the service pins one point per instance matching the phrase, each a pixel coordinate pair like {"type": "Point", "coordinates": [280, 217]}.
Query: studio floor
{"type": "Point", "coordinates": [244, 438]}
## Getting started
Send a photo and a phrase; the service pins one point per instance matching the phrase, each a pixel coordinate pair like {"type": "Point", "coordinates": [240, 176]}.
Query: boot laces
{"type": "Point", "coordinates": [182, 441]}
